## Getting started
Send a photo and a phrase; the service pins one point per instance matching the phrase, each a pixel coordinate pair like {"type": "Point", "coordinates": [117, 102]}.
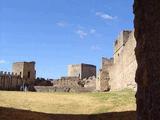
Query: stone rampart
{"type": "Point", "coordinates": [119, 72]}
{"type": "Point", "coordinates": [10, 81]}
{"type": "Point", "coordinates": [122, 72]}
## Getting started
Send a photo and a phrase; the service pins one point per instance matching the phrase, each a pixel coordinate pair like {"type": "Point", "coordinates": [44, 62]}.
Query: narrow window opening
{"type": "Point", "coordinates": [28, 74]}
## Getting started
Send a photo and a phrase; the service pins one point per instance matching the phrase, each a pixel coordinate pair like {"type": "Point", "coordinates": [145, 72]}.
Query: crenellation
{"type": "Point", "coordinates": [5, 73]}
{"type": "Point", "coordinates": [14, 80]}
{"type": "Point", "coordinates": [1, 73]}
{"type": "Point", "coordinates": [9, 73]}
{"type": "Point", "coordinates": [7, 81]}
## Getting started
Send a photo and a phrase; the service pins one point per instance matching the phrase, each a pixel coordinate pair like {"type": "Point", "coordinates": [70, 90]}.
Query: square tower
{"type": "Point", "coordinates": [25, 69]}
{"type": "Point", "coordinates": [82, 70]}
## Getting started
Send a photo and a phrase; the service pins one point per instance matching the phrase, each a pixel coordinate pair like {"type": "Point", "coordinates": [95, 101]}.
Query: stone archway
{"type": "Point", "coordinates": [147, 33]}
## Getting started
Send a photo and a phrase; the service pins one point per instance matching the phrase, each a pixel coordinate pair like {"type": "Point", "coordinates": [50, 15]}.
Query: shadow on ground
{"type": "Point", "coordinates": [16, 114]}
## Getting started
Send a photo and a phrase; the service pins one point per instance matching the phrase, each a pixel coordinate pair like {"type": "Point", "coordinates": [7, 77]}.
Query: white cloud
{"type": "Point", "coordinates": [81, 33]}
{"type": "Point", "coordinates": [92, 31]}
{"type": "Point", "coordinates": [105, 16]}
{"type": "Point", "coordinates": [95, 48]}
{"type": "Point", "coordinates": [2, 61]}
{"type": "Point", "coordinates": [61, 23]}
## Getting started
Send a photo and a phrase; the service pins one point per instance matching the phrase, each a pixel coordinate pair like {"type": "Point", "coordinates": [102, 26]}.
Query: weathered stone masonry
{"type": "Point", "coordinates": [102, 82]}
{"type": "Point", "coordinates": [10, 81]}
{"type": "Point", "coordinates": [82, 70]}
{"type": "Point", "coordinates": [119, 72]}
{"type": "Point", "coordinates": [23, 74]}
{"type": "Point", "coordinates": [26, 70]}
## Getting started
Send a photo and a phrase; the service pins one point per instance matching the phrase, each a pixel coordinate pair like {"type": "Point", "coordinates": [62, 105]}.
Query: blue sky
{"type": "Point", "coordinates": [55, 33]}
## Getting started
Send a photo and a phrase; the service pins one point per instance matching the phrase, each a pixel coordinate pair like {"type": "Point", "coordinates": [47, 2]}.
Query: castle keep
{"type": "Point", "coordinates": [82, 70]}
{"type": "Point", "coordinates": [23, 73]}
{"type": "Point", "coordinates": [25, 69]}
{"type": "Point", "coordinates": [119, 72]}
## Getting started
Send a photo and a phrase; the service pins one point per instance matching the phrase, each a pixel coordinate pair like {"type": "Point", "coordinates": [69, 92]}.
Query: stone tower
{"type": "Point", "coordinates": [82, 70]}
{"type": "Point", "coordinates": [102, 82]}
{"type": "Point", "coordinates": [26, 70]}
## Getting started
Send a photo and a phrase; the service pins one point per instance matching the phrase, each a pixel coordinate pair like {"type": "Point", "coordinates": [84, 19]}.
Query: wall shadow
{"type": "Point", "coordinates": [17, 114]}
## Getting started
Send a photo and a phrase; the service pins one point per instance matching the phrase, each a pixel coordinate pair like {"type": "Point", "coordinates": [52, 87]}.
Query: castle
{"type": "Point", "coordinates": [23, 74]}
{"type": "Point", "coordinates": [116, 73]}
{"type": "Point", "coordinates": [119, 72]}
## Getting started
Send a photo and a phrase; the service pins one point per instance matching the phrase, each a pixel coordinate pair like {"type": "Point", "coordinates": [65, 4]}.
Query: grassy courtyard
{"type": "Point", "coordinates": [69, 103]}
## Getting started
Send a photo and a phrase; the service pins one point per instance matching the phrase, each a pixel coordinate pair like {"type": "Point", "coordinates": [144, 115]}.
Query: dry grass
{"type": "Point", "coordinates": [69, 103]}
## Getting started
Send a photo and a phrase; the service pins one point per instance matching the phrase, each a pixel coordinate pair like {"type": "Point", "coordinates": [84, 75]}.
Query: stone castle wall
{"type": "Point", "coordinates": [122, 73]}
{"type": "Point", "coordinates": [102, 82]}
{"type": "Point", "coordinates": [23, 75]}
{"type": "Point", "coordinates": [10, 81]}
{"type": "Point", "coordinates": [119, 73]}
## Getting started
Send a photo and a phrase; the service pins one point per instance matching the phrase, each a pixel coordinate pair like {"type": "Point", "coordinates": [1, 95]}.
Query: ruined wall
{"type": "Point", "coordinates": [119, 74]}
{"type": "Point", "coordinates": [66, 82]}
{"type": "Point", "coordinates": [10, 81]}
{"type": "Point", "coordinates": [82, 70]}
{"type": "Point", "coordinates": [122, 73]}
{"type": "Point", "coordinates": [25, 69]}
{"type": "Point", "coordinates": [69, 84]}
{"type": "Point", "coordinates": [102, 82]}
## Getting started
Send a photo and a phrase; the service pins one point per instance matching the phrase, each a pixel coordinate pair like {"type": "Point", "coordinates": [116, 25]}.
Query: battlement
{"type": "Point", "coordinates": [121, 40]}
{"type": "Point", "coordinates": [32, 62]}
{"type": "Point", "coordinates": [106, 62]}
{"type": "Point", "coordinates": [5, 73]}
{"type": "Point", "coordinates": [10, 81]}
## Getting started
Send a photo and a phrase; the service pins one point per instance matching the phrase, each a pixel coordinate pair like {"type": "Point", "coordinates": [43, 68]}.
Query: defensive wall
{"type": "Point", "coordinates": [119, 72]}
